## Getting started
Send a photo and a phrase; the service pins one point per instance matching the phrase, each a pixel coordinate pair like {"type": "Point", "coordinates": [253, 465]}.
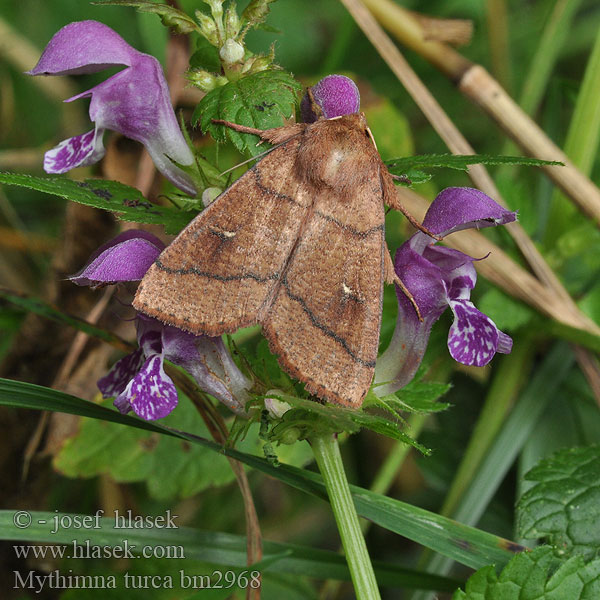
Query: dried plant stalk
{"type": "Point", "coordinates": [484, 90]}
{"type": "Point", "coordinates": [459, 145]}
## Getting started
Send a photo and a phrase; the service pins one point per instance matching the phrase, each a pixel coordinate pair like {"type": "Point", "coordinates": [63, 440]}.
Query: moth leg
{"type": "Point", "coordinates": [390, 276]}
{"type": "Point", "coordinates": [390, 197]}
{"type": "Point", "coordinates": [276, 135]}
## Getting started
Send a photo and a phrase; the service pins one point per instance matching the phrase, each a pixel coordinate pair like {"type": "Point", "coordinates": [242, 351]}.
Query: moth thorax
{"type": "Point", "coordinates": [337, 162]}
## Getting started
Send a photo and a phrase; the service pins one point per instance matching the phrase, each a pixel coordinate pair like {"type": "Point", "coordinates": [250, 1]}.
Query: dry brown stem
{"type": "Point", "coordinates": [484, 90]}
{"type": "Point", "coordinates": [550, 285]}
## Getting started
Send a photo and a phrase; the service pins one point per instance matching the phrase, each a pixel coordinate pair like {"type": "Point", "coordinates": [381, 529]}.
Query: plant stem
{"type": "Point", "coordinates": [329, 460]}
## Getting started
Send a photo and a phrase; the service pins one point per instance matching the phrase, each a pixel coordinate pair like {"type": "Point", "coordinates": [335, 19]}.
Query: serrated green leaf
{"type": "Point", "coordinates": [128, 203]}
{"type": "Point", "coordinates": [404, 165]}
{"type": "Point", "coordinates": [261, 100]}
{"type": "Point", "coordinates": [206, 56]}
{"type": "Point", "coordinates": [564, 505]}
{"type": "Point", "coordinates": [171, 468]}
{"type": "Point", "coordinates": [530, 576]}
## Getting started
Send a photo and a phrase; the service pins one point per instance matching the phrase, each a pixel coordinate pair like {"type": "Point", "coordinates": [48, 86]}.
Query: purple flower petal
{"type": "Point", "coordinates": [125, 258]}
{"type": "Point", "coordinates": [79, 151]}
{"type": "Point", "coordinates": [149, 335]}
{"type": "Point", "coordinates": [84, 47]}
{"type": "Point", "coordinates": [151, 393]}
{"type": "Point", "coordinates": [207, 360]}
{"type": "Point", "coordinates": [123, 371]}
{"type": "Point", "coordinates": [424, 280]}
{"type": "Point", "coordinates": [134, 101]}
{"type": "Point", "coordinates": [438, 277]}
{"type": "Point", "coordinates": [461, 208]}
{"type": "Point", "coordinates": [473, 338]}
{"type": "Point", "coordinates": [334, 95]}
{"type": "Point", "coordinates": [398, 364]}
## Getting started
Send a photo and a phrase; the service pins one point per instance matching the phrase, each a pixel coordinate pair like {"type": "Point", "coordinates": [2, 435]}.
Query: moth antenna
{"type": "Point", "coordinates": [239, 128]}
{"type": "Point", "coordinates": [401, 179]}
{"type": "Point", "coordinates": [257, 157]}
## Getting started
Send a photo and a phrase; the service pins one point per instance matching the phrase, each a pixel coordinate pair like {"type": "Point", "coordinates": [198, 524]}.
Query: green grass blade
{"type": "Point", "coordinates": [467, 545]}
{"type": "Point", "coordinates": [506, 447]}
{"type": "Point", "coordinates": [216, 548]}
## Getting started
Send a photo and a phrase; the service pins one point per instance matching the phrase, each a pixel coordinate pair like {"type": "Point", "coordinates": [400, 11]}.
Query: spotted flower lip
{"type": "Point", "coordinates": [139, 381]}
{"type": "Point", "coordinates": [126, 257]}
{"type": "Point", "coordinates": [439, 277]}
{"type": "Point", "coordinates": [333, 96]}
{"type": "Point", "coordinates": [135, 101]}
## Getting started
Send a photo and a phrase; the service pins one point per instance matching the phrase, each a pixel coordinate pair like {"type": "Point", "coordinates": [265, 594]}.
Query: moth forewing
{"type": "Point", "coordinates": [296, 244]}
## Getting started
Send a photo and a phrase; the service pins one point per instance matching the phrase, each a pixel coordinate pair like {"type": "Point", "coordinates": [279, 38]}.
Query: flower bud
{"type": "Point", "coordinates": [202, 79]}
{"type": "Point", "coordinates": [209, 195]}
{"type": "Point", "coordinates": [232, 21]}
{"type": "Point", "coordinates": [277, 408]}
{"type": "Point", "coordinates": [231, 52]}
{"type": "Point", "coordinates": [207, 27]}
{"type": "Point", "coordinates": [261, 63]}
{"type": "Point", "coordinates": [216, 7]}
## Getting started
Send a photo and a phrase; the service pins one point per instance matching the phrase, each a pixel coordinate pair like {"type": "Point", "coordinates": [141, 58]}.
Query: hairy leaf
{"type": "Point", "coordinates": [564, 504]}
{"type": "Point", "coordinates": [533, 576]}
{"type": "Point", "coordinates": [261, 100]}
{"type": "Point", "coordinates": [171, 468]}
{"type": "Point", "coordinates": [127, 202]}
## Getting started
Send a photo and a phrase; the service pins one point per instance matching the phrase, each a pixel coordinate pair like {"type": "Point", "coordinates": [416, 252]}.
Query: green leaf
{"type": "Point", "coordinates": [532, 576]}
{"type": "Point", "coordinates": [127, 202]}
{"type": "Point", "coordinates": [467, 545]}
{"type": "Point", "coordinates": [206, 56]}
{"type": "Point", "coordinates": [261, 100]}
{"type": "Point", "coordinates": [170, 468]}
{"type": "Point", "coordinates": [418, 397]}
{"type": "Point", "coordinates": [564, 504]}
{"type": "Point", "coordinates": [406, 164]}
{"type": "Point", "coordinates": [317, 419]}
{"type": "Point", "coordinates": [216, 548]}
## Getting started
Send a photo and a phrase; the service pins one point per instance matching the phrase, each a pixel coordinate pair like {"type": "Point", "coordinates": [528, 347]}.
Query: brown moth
{"type": "Point", "coordinates": [295, 244]}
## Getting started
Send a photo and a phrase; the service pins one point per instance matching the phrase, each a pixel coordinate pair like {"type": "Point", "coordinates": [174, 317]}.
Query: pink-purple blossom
{"type": "Point", "coordinates": [139, 381]}
{"type": "Point", "coordinates": [135, 101]}
{"type": "Point", "coordinates": [438, 278]}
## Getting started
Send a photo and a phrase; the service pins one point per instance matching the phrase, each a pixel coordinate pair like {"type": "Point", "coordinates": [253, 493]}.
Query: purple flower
{"type": "Point", "coordinates": [439, 277]}
{"type": "Point", "coordinates": [134, 101]}
{"type": "Point", "coordinates": [140, 383]}
{"type": "Point", "coordinates": [138, 380]}
{"type": "Point", "coordinates": [333, 96]}
{"type": "Point", "coordinates": [125, 258]}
